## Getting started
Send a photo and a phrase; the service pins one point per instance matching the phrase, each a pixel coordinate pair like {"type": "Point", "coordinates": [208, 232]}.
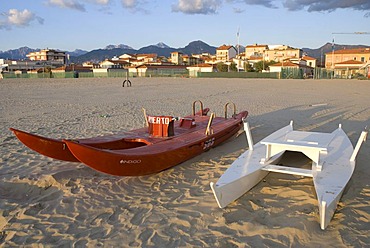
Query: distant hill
{"type": "Point", "coordinates": [20, 53]}
{"type": "Point", "coordinates": [160, 49]}
{"type": "Point", "coordinates": [77, 52]}
{"type": "Point", "coordinates": [197, 47]}
{"type": "Point", "coordinates": [100, 55]}
{"type": "Point", "coordinates": [122, 46]}
{"type": "Point", "coordinates": [17, 54]}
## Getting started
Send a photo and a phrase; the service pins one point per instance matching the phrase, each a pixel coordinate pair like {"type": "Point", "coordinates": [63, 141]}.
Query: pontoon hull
{"type": "Point", "coordinates": [329, 178]}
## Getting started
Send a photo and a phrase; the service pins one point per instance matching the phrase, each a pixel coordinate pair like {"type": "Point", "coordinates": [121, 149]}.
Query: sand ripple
{"type": "Point", "coordinates": [60, 204]}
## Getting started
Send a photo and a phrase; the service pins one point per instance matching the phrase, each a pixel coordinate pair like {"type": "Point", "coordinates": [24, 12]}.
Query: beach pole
{"type": "Point", "coordinates": [126, 81]}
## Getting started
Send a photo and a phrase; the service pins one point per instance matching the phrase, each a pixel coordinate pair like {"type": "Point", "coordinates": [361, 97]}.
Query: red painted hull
{"type": "Point", "coordinates": [136, 153]}
{"type": "Point", "coordinates": [52, 148]}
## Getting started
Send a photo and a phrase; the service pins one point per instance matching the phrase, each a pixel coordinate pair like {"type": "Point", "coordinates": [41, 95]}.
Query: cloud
{"type": "Point", "coordinates": [102, 2]}
{"type": "Point", "coordinates": [69, 4]}
{"type": "Point", "coordinates": [238, 10]}
{"type": "Point", "coordinates": [197, 6]}
{"type": "Point", "coordinates": [17, 18]}
{"type": "Point", "coordinates": [130, 4]}
{"type": "Point", "coordinates": [328, 5]}
{"type": "Point", "coordinates": [265, 3]}
{"type": "Point", "coordinates": [135, 5]}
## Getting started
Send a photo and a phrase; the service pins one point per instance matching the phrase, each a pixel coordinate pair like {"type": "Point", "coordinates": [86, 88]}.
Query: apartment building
{"type": "Point", "coordinates": [255, 50]}
{"type": "Point", "coordinates": [282, 52]}
{"type": "Point", "coordinates": [48, 55]}
{"type": "Point", "coordinates": [225, 52]}
{"type": "Point", "coordinates": [348, 62]}
{"type": "Point", "coordinates": [177, 58]}
{"type": "Point", "coordinates": [359, 54]}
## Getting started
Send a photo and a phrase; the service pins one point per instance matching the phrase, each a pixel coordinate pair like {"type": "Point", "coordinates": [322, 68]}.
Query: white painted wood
{"type": "Point", "coordinates": [362, 139]}
{"type": "Point", "coordinates": [331, 167]}
{"type": "Point", "coordinates": [249, 135]}
{"type": "Point", "coordinates": [288, 170]}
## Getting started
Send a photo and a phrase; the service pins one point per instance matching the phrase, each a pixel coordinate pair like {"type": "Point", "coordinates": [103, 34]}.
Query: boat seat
{"type": "Point", "coordinates": [187, 122]}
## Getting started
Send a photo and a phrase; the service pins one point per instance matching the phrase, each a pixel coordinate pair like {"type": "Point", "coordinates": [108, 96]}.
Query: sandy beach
{"type": "Point", "coordinates": [45, 202]}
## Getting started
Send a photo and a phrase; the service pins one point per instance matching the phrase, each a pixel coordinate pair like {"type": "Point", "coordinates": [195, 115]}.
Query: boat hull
{"type": "Point", "coordinates": [52, 148]}
{"type": "Point", "coordinates": [136, 152]}
{"type": "Point", "coordinates": [331, 181]}
{"type": "Point", "coordinates": [147, 160]}
{"type": "Point", "coordinates": [330, 177]}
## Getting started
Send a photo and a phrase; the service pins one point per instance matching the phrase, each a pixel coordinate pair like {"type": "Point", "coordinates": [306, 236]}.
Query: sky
{"type": "Point", "coordinates": [93, 24]}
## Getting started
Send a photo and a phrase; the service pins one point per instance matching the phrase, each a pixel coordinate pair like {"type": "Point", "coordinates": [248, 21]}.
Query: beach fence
{"type": "Point", "coordinates": [322, 73]}
{"type": "Point", "coordinates": [241, 74]}
{"type": "Point", "coordinates": [291, 73]}
{"type": "Point", "coordinates": [106, 74]}
{"type": "Point", "coordinates": [286, 73]}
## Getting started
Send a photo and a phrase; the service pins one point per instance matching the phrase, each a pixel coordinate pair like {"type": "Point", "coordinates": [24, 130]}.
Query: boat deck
{"type": "Point", "coordinates": [312, 144]}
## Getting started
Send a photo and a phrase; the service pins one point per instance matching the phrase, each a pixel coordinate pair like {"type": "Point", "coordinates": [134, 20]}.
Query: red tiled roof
{"type": "Point", "coordinates": [308, 58]}
{"type": "Point", "coordinates": [350, 62]}
{"type": "Point", "coordinates": [201, 65]}
{"type": "Point", "coordinates": [252, 46]}
{"type": "Point", "coordinates": [286, 64]}
{"type": "Point", "coordinates": [161, 66]}
{"type": "Point", "coordinates": [224, 47]}
{"type": "Point", "coordinates": [365, 50]}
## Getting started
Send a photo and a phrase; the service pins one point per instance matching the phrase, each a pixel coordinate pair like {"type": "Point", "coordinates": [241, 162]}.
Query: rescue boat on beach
{"type": "Point", "coordinates": [333, 163]}
{"type": "Point", "coordinates": [164, 142]}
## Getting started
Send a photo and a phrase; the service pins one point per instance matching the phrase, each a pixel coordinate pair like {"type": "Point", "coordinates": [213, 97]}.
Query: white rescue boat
{"type": "Point", "coordinates": [333, 162]}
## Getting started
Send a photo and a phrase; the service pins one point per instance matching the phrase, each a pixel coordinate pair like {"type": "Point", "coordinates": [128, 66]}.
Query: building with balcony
{"type": "Point", "coordinates": [348, 62]}
{"type": "Point", "coordinates": [280, 53]}
{"type": "Point", "coordinates": [49, 56]}
{"type": "Point", "coordinates": [225, 53]}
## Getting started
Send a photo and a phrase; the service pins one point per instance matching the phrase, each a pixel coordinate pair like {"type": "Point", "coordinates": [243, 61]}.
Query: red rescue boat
{"type": "Point", "coordinates": [164, 143]}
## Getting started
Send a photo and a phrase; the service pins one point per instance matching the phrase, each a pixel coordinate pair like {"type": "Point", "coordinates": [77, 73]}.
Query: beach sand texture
{"type": "Point", "coordinates": [55, 203]}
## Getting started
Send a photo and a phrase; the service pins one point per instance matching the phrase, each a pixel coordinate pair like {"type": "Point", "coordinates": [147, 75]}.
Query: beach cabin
{"type": "Point", "coordinates": [158, 70]}
{"type": "Point", "coordinates": [195, 69]}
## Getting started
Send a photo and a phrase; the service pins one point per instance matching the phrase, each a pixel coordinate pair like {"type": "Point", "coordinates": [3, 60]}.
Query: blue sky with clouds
{"type": "Point", "coordinates": [92, 24]}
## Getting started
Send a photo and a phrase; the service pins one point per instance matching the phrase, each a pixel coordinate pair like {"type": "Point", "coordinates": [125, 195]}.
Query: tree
{"type": "Point", "coordinates": [221, 67]}
{"type": "Point", "coordinates": [262, 65]}
{"type": "Point", "coordinates": [248, 67]}
{"type": "Point", "coordinates": [233, 67]}
{"type": "Point", "coordinates": [259, 66]}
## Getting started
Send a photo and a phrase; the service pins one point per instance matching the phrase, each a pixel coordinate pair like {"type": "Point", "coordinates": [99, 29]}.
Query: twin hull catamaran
{"type": "Point", "coordinates": [165, 142]}
{"type": "Point", "coordinates": [333, 163]}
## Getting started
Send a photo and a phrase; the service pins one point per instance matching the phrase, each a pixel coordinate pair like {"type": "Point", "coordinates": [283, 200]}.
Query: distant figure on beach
{"type": "Point", "coordinates": [126, 81]}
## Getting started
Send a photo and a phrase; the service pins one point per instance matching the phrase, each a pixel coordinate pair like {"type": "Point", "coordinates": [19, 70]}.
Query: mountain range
{"type": "Point", "coordinates": [161, 49]}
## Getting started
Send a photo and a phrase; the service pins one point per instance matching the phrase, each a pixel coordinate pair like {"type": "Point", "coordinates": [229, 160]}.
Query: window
{"type": "Point", "coordinates": [362, 59]}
